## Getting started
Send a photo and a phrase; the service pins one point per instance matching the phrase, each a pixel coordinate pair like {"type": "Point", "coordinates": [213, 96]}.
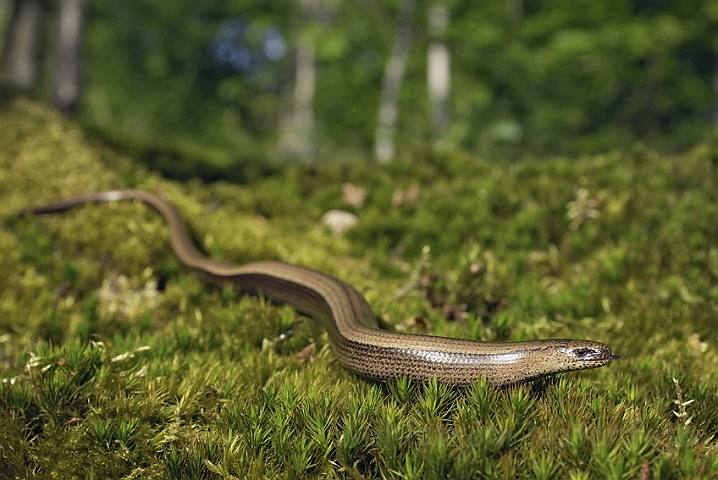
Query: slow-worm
{"type": "Point", "coordinates": [353, 332]}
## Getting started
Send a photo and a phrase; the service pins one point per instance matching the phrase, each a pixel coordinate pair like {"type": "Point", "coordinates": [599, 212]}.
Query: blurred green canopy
{"type": "Point", "coordinates": [527, 76]}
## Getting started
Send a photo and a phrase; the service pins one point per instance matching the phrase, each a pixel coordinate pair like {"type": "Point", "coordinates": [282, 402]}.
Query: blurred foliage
{"type": "Point", "coordinates": [109, 349]}
{"type": "Point", "coordinates": [561, 78]}
{"type": "Point", "coordinates": [150, 71]}
{"type": "Point", "coordinates": [585, 76]}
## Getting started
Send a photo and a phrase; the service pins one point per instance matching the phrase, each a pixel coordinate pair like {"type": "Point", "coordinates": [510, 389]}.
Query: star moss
{"type": "Point", "coordinates": [118, 364]}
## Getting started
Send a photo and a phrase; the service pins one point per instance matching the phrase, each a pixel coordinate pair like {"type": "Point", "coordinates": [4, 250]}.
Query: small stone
{"type": "Point", "coordinates": [339, 221]}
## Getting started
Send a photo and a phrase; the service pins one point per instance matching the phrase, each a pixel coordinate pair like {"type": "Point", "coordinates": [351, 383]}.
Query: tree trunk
{"type": "Point", "coordinates": [297, 131]}
{"type": "Point", "coordinates": [297, 122]}
{"type": "Point", "coordinates": [384, 147]}
{"type": "Point", "coordinates": [68, 59]}
{"type": "Point", "coordinates": [22, 45]}
{"type": "Point", "coordinates": [514, 11]}
{"type": "Point", "coordinates": [438, 74]}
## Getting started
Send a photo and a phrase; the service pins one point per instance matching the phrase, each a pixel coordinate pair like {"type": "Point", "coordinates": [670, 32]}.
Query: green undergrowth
{"type": "Point", "coordinates": [118, 364]}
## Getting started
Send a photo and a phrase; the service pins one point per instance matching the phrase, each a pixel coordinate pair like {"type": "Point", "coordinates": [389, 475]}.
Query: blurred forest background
{"type": "Point", "coordinates": [232, 81]}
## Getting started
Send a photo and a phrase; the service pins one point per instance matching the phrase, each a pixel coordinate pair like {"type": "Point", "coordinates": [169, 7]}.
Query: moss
{"type": "Point", "coordinates": [116, 363]}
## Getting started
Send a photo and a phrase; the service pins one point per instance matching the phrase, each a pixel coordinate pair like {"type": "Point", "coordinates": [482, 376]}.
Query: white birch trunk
{"type": "Point", "coordinates": [68, 56]}
{"type": "Point", "coordinates": [297, 127]}
{"type": "Point", "coordinates": [297, 135]}
{"type": "Point", "coordinates": [384, 147]}
{"type": "Point", "coordinates": [514, 11]}
{"type": "Point", "coordinates": [22, 45]}
{"type": "Point", "coordinates": [438, 74]}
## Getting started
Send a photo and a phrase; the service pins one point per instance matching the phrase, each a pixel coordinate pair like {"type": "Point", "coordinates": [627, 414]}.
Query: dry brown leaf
{"type": "Point", "coordinates": [419, 321]}
{"type": "Point", "coordinates": [353, 195]}
{"type": "Point", "coordinates": [307, 353]}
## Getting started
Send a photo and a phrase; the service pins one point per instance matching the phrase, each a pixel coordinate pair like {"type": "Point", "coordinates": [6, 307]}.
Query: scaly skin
{"type": "Point", "coordinates": [356, 339]}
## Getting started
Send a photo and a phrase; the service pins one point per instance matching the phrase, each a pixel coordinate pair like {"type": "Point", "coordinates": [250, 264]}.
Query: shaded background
{"type": "Point", "coordinates": [230, 82]}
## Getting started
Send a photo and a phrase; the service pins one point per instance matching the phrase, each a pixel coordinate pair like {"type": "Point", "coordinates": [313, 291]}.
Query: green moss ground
{"type": "Point", "coordinates": [106, 376]}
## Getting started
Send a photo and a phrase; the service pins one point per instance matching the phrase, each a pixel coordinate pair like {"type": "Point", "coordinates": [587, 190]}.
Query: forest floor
{"type": "Point", "coordinates": [116, 363]}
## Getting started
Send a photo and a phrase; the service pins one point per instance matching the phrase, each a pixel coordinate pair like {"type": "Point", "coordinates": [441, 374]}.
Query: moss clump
{"type": "Point", "coordinates": [116, 363]}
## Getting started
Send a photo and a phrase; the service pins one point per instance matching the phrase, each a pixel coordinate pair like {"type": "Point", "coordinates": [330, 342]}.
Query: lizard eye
{"type": "Point", "coordinates": [585, 352]}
